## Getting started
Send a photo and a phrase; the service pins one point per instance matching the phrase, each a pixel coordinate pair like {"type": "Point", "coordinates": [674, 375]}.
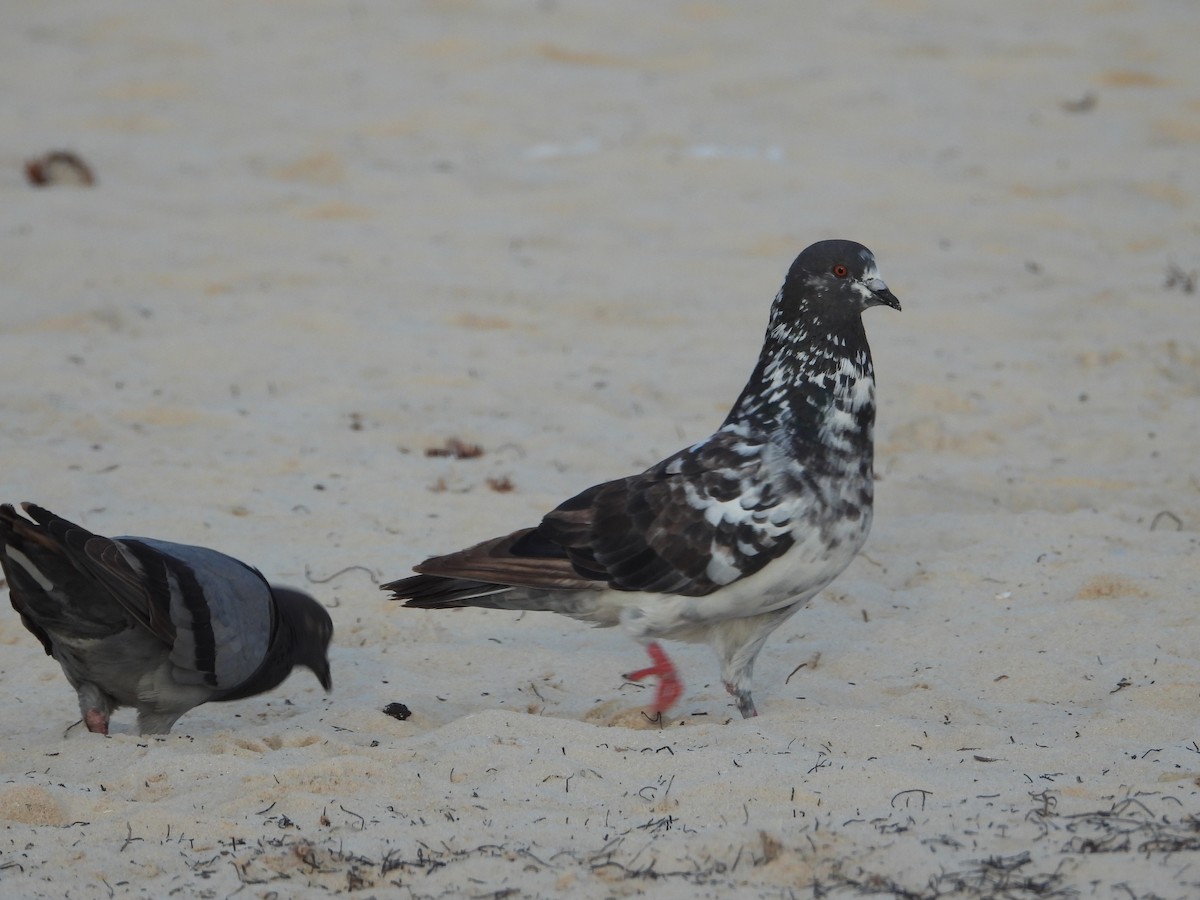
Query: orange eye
{"type": "Point", "coordinates": [840, 271]}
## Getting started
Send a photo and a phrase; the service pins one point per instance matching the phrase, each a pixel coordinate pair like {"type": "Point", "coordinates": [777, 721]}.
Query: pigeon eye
{"type": "Point", "coordinates": [840, 271]}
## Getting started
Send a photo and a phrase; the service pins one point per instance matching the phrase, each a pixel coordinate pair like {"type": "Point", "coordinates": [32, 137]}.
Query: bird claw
{"type": "Point", "coordinates": [670, 687]}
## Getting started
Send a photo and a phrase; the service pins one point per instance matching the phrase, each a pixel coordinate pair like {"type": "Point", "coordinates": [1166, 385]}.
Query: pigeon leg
{"type": "Point", "coordinates": [669, 686]}
{"type": "Point", "coordinates": [94, 705]}
{"type": "Point", "coordinates": [745, 703]}
{"type": "Point", "coordinates": [96, 721]}
{"type": "Point", "coordinates": [151, 721]}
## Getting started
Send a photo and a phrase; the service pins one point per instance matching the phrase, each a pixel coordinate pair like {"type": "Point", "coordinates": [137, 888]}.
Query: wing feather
{"type": "Point", "coordinates": [696, 521]}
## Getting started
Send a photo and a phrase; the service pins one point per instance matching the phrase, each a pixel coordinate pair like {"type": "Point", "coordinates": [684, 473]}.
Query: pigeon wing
{"type": "Point", "coordinates": [696, 521]}
{"type": "Point", "coordinates": [221, 611]}
{"type": "Point", "coordinates": [213, 612]}
{"type": "Point", "coordinates": [81, 583]}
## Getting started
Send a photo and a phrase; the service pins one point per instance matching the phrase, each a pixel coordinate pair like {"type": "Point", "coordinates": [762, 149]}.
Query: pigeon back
{"type": "Point", "coordinates": [221, 609]}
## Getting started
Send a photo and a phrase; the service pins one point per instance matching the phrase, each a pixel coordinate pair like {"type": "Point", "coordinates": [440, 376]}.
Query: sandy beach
{"type": "Point", "coordinates": [326, 238]}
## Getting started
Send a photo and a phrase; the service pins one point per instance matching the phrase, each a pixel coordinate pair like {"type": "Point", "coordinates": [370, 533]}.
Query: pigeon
{"type": "Point", "coordinates": [726, 539]}
{"type": "Point", "coordinates": [159, 626]}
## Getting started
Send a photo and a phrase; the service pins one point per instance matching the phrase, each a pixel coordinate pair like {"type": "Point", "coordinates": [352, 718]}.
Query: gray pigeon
{"type": "Point", "coordinates": [158, 626]}
{"type": "Point", "coordinates": [721, 542]}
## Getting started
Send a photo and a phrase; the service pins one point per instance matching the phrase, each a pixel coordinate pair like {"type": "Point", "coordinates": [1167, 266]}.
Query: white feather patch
{"type": "Point", "coordinates": [30, 569]}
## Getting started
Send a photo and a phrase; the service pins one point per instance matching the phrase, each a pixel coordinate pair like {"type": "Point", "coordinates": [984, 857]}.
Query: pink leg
{"type": "Point", "coordinates": [96, 721]}
{"type": "Point", "coordinates": [670, 688]}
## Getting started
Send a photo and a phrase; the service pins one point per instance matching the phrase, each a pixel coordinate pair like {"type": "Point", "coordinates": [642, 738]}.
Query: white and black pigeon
{"type": "Point", "coordinates": [158, 626]}
{"type": "Point", "coordinates": [721, 542]}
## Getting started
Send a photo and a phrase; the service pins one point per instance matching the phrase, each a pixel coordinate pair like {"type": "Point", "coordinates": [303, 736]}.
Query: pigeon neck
{"type": "Point", "coordinates": [813, 387]}
{"type": "Point", "coordinates": [275, 667]}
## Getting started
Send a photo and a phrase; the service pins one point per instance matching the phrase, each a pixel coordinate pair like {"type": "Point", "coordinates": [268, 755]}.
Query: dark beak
{"type": "Point", "coordinates": [883, 296]}
{"type": "Point", "coordinates": [323, 676]}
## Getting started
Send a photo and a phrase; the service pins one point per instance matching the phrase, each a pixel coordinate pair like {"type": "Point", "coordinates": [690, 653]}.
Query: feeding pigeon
{"type": "Point", "coordinates": [158, 626]}
{"type": "Point", "coordinates": [721, 542]}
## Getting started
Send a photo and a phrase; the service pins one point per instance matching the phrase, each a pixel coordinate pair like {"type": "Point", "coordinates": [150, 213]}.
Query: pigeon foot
{"type": "Point", "coordinates": [96, 721]}
{"type": "Point", "coordinates": [745, 703]}
{"type": "Point", "coordinates": [670, 688]}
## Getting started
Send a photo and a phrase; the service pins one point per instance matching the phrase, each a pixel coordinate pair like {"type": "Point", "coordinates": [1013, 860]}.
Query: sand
{"type": "Point", "coordinates": [326, 237]}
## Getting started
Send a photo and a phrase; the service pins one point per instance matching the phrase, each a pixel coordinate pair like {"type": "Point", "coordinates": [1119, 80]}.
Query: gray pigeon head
{"type": "Point", "coordinates": [311, 629]}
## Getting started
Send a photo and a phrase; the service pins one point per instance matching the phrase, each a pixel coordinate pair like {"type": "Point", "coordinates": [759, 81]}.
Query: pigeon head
{"type": "Point", "coordinates": [839, 276]}
{"type": "Point", "coordinates": [816, 348]}
{"type": "Point", "coordinates": [311, 631]}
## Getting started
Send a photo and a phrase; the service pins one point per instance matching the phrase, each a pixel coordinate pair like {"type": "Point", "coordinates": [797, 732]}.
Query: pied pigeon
{"type": "Point", "coordinates": [726, 539]}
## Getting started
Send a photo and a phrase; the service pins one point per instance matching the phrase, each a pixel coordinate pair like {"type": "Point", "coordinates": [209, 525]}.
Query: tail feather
{"type": "Point", "coordinates": [436, 592]}
{"type": "Point", "coordinates": [503, 573]}
{"type": "Point", "coordinates": [47, 585]}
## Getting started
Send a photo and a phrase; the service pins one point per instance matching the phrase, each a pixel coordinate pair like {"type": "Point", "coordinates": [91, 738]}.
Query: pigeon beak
{"type": "Point", "coordinates": [883, 296]}
{"type": "Point", "coordinates": [324, 677]}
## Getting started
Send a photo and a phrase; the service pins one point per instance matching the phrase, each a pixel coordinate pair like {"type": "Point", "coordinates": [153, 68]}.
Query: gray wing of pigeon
{"type": "Point", "coordinates": [219, 608]}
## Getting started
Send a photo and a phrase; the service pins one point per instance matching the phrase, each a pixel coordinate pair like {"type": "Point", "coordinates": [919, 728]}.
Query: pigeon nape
{"type": "Point", "coordinates": [158, 626]}
{"type": "Point", "coordinates": [723, 541]}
